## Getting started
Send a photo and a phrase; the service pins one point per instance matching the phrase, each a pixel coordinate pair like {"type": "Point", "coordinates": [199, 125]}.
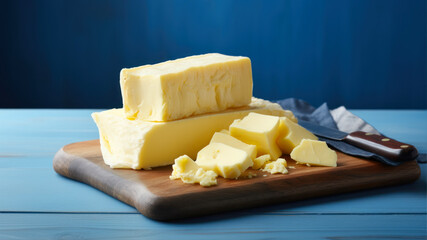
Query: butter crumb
{"type": "Point", "coordinates": [292, 167]}
{"type": "Point", "coordinates": [206, 178]}
{"type": "Point", "coordinates": [251, 175]}
{"type": "Point", "coordinates": [189, 172]}
{"type": "Point", "coordinates": [278, 166]}
{"type": "Point", "coordinates": [260, 161]}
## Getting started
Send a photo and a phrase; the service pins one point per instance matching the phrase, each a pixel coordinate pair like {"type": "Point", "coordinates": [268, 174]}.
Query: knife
{"type": "Point", "coordinates": [374, 143]}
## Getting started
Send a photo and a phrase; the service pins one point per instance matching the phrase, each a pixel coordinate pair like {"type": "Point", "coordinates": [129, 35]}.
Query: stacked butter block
{"type": "Point", "coordinates": [175, 107]}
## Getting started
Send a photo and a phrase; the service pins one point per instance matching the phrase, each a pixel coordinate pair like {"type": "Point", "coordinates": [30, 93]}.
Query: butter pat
{"type": "Point", "coordinates": [142, 144]}
{"type": "Point", "coordinates": [189, 172]}
{"type": "Point", "coordinates": [222, 137]}
{"type": "Point", "coordinates": [260, 161]}
{"type": "Point", "coordinates": [278, 166]}
{"type": "Point", "coordinates": [260, 130]}
{"type": "Point", "coordinates": [291, 134]}
{"type": "Point", "coordinates": [184, 87]}
{"type": "Point", "coordinates": [314, 152]}
{"type": "Point", "coordinates": [226, 161]}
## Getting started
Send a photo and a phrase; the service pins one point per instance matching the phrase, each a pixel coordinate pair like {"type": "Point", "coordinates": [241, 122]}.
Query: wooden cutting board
{"type": "Point", "coordinates": [158, 197]}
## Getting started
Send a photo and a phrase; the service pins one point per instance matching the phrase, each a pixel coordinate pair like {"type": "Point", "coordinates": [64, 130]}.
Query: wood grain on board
{"type": "Point", "coordinates": [156, 196]}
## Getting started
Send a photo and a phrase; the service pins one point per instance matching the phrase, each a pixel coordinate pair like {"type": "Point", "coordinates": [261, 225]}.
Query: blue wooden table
{"type": "Point", "coordinates": [37, 203]}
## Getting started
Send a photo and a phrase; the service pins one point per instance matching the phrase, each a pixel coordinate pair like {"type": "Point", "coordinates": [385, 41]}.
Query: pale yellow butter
{"type": "Point", "coordinates": [260, 161]}
{"type": "Point", "coordinates": [189, 172]}
{"type": "Point", "coordinates": [278, 166]}
{"type": "Point", "coordinates": [291, 134]}
{"type": "Point", "coordinates": [314, 152]}
{"type": "Point", "coordinates": [260, 130]}
{"type": "Point", "coordinates": [184, 87]}
{"type": "Point", "coordinates": [225, 131]}
{"type": "Point", "coordinates": [221, 137]}
{"type": "Point", "coordinates": [142, 144]}
{"type": "Point", "coordinates": [226, 161]}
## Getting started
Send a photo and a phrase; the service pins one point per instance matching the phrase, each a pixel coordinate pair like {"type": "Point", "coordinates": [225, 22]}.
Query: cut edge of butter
{"type": "Point", "coordinates": [291, 134]}
{"type": "Point", "coordinates": [260, 130]}
{"type": "Point", "coordinates": [226, 138]}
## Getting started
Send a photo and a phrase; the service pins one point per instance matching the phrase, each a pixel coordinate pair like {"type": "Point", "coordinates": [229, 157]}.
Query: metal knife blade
{"type": "Point", "coordinates": [323, 131]}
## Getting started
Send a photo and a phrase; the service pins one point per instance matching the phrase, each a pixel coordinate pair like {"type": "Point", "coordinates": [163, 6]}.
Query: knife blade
{"type": "Point", "coordinates": [375, 143]}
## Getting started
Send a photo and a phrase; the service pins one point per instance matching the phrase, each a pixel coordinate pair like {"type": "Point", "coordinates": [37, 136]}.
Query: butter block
{"type": "Point", "coordinates": [291, 134]}
{"type": "Point", "coordinates": [314, 152]}
{"type": "Point", "coordinates": [260, 161]}
{"type": "Point", "coordinates": [141, 144]}
{"type": "Point", "coordinates": [278, 166]}
{"type": "Point", "coordinates": [185, 87]}
{"type": "Point", "coordinates": [221, 137]}
{"type": "Point", "coordinates": [226, 161]}
{"type": "Point", "coordinates": [260, 130]}
{"type": "Point", "coordinates": [189, 172]}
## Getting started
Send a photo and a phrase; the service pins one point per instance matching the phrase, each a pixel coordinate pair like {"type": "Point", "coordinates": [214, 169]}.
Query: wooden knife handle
{"type": "Point", "coordinates": [384, 146]}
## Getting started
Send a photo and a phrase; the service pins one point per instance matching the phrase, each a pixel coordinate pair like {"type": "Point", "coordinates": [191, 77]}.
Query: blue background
{"type": "Point", "coordinates": [361, 54]}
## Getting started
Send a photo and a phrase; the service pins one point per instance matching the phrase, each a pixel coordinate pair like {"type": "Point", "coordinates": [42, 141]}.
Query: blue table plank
{"type": "Point", "coordinates": [43, 190]}
{"type": "Point", "coordinates": [21, 162]}
{"type": "Point", "coordinates": [37, 133]}
{"type": "Point", "coordinates": [226, 226]}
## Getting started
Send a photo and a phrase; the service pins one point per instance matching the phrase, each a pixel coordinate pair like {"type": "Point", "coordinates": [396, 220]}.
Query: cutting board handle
{"type": "Point", "coordinates": [384, 146]}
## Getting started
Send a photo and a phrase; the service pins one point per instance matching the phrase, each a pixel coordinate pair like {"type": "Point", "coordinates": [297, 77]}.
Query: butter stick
{"type": "Point", "coordinates": [186, 87]}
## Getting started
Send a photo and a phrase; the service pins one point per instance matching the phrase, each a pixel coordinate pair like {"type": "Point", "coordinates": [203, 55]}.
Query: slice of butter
{"type": "Point", "coordinates": [291, 134]}
{"type": "Point", "coordinates": [314, 152]}
{"type": "Point", "coordinates": [278, 166]}
{"type": "Point", "coordinates": [184, 87]}
{"type": "Point", "coordinates": [226, 161]}
{"type": "Point", "coordinates": [142, 144]}
{"type": "Point", "coordinates": [260, 161]}
{"type": "Point", "coordinates": [189, 172]}
{"type": "Point", "coordinates": [260, 130]}
{"type": "Point", "coordinates": [225, 138]}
